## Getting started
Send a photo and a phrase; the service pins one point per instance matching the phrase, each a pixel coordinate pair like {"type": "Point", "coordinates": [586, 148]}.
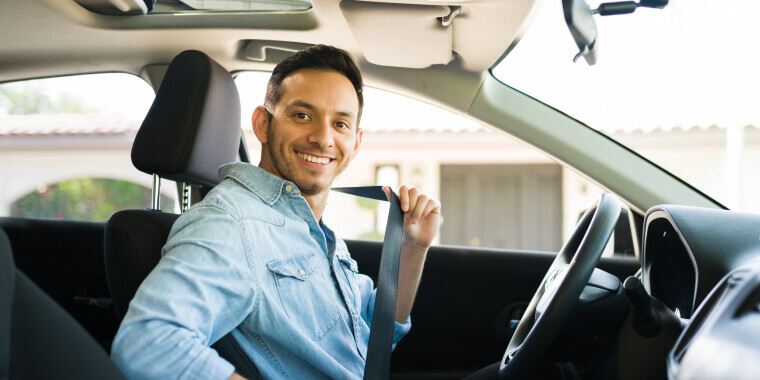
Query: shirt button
{"type": "Point", "coordinates": [288, 188]}
{"type": "Point", "coordinates": [301, 271]}
{"type": "Point", "coordinates": [353, 310]}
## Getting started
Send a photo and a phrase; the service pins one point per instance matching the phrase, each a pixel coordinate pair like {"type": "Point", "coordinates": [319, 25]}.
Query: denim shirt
{"type": "Point", "coordinates": [250, 259]}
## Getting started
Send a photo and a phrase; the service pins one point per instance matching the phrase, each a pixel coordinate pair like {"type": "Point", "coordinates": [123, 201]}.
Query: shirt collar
{"type": "Point", "coordinates": [264, 184]}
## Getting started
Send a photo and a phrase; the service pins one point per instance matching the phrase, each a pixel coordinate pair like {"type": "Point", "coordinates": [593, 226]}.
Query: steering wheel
{"type": "Point", "coordinates": [560, 289]}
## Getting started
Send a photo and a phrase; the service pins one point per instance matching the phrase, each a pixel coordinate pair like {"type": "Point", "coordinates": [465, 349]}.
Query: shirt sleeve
{"type": "Point", "coordinates": [202, 288]}
{"type": "Point", "coordinates": [368, 293]}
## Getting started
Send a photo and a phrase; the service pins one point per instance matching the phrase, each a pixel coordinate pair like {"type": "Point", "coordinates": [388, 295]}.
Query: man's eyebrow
{"type": "Point", "coordinates": [301, 103]}
{"type": "Point", "coordinates": [309, 106]}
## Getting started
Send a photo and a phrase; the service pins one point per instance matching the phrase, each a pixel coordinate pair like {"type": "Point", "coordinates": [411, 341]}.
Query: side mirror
{"type": "Point", "coordinates": [580, 21]}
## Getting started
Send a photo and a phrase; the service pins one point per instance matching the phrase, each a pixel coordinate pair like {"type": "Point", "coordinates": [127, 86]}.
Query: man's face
{"type": "Point", "coordinates": [312, 135]}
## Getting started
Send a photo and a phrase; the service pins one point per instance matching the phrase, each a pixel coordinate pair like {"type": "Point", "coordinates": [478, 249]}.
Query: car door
{"type": "Point", "coordinates": [466, 302]}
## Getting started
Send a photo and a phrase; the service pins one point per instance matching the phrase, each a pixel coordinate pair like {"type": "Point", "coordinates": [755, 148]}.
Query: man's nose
{"type": "Point", "coordinates": [321, 134]}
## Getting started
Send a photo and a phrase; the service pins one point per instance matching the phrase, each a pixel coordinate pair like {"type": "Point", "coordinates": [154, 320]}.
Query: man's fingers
{"type": "Point", "coordinates": [416, 205]}
{"type": "Point", "coordinates": [403, 198]}
{"type": "Point", "coordinates": [433, 207]}
{"type": "Point", "coordinates": [414, 193]}
{"type": "Point", "coordinates": [419, 208]}
{"type": "Point", "coordinates": [387, 191]}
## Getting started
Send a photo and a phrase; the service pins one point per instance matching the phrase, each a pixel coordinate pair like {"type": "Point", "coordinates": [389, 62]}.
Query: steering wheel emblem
{"type": "Point", "coordinates": [557, 274]}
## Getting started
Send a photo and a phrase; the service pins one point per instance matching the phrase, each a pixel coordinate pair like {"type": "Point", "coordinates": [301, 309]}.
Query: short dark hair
{"type": "Point", "coordinates": [321, 57]}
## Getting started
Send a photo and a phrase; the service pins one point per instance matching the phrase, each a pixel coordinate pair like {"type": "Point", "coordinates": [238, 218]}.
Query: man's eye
{"type": "Point", "coordinates": [302, 116]}
{"type": "Point", "coordinates": [343, 125]}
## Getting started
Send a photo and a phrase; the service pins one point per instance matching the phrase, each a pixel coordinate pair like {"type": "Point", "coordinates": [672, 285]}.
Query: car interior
{"type": "Point", "coordinates": [679, 297]}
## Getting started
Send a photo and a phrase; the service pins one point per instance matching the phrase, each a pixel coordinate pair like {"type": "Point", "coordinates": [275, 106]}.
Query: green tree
{"type": "Point", "coordinates": [27, 99]}
{"type": "Point", "coordinates": [85, 199]}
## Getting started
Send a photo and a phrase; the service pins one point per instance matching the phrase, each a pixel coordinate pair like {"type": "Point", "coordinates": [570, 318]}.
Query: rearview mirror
{"type": "Point", "coordinates": [580, 21]}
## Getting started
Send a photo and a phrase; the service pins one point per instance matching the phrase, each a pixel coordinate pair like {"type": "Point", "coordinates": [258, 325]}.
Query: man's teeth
{"type": "Point", "coordinates": [316, 160]}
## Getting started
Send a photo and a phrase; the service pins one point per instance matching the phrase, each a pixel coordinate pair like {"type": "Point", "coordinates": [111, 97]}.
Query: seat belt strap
{"type": "Point", "coordinates": [384, 315]}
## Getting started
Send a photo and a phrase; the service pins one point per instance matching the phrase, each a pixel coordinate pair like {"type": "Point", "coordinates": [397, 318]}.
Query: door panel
{"type": "Point", "coordinates": [65, 259]}
{"type": "Point", "coordinates": [461, 296]}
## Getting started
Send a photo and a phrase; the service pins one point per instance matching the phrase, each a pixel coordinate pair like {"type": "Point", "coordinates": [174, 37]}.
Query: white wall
{"type": "Point", "coordinates": [25, 170]}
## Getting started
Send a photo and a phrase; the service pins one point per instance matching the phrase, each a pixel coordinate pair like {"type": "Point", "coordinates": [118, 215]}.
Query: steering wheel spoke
{"type": "Point", "coordinates": [559, 291]}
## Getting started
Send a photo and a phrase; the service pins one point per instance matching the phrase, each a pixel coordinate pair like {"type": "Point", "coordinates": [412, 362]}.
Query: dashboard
{"type": "Point", "coordinates": [723, 337]}
{"type": "Point", "coordinates": [704, 265]}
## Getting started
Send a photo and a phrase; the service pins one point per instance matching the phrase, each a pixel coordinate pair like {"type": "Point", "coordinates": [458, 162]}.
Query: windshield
{"type": "Point", "coordinates": [679, 86]}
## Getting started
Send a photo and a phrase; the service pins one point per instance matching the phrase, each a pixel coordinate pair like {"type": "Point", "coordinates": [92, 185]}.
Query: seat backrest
{"type": "Point", "coordinates": [132, 248]}
{"type": "Point", "coordinates": [38, 339]}
{"type": "Point", "coordinates": [192, 128]}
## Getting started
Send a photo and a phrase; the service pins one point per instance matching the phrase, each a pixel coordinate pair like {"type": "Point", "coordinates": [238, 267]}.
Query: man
{"type": "Point", "coordinates": [255, 258]}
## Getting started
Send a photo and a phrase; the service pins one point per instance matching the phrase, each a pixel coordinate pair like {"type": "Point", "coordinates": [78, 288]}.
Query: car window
{"type": "Point", "coordinates": [65, 147]}
{"type": "Point", "coordinates": [496, 191]}
{"type": "Point", "coordinates": [667, 84]}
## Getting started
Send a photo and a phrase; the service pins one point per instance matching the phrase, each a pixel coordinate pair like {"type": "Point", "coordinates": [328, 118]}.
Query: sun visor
{"type": "Point", "coordinates": [401, 35]}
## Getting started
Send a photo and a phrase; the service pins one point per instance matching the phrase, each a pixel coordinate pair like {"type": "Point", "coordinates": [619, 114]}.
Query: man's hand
{"type": "Point", "coordinates": [422, 215]}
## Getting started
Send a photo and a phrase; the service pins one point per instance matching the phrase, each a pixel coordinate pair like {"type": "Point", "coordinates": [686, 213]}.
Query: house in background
{"type": "Point", "coordinates": [533, 201]}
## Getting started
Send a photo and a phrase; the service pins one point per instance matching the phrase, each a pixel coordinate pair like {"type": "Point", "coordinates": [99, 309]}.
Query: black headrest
{"type": "Point", "coordinates": [193, 126]}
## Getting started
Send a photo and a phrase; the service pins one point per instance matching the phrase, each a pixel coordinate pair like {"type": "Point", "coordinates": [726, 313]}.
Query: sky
{"type": "Point", "coordinates": [695, 63]}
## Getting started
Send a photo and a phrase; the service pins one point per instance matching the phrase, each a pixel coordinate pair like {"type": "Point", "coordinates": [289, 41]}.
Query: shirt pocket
{"type": "Point", "coordinates": [305, 295]}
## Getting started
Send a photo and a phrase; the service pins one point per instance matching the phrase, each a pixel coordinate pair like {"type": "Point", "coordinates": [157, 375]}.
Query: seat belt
{"type": "Point", "coordinates": [381, 334]}
{"type": "Point", "coordinates": [383, 317]}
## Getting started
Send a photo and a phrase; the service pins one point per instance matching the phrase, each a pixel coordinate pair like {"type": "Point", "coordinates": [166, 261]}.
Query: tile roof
{"type": "Point", "coordinates": [105, 124]}
{"type": "Point", "coordinates": [67, 124]}
{"type": "Point", "coordinates": [101, 124]}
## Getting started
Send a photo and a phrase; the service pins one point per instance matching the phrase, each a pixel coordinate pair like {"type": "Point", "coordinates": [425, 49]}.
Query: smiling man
{"type": "Point", "coordinates": [254, 257]}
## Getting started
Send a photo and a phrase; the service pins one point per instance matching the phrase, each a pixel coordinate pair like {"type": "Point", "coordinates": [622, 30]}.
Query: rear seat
{"type": "Point", "coordinates": [65, 259]}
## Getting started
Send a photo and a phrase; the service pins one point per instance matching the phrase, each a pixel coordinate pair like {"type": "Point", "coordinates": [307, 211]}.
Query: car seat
{"type": "Point", "coordinates": [38, 339]}
{"type": "Point", "coordinates": [192, 128]}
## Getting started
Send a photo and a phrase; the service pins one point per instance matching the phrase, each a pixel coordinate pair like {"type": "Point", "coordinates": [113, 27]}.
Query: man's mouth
{"type": "Point", "coordinates": [314, 159]}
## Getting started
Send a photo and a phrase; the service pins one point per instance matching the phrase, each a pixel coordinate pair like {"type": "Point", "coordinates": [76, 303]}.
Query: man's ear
{"type": "Point", "coordinates": [358, 142]}
{"type": "Point", "coordinates": [260, 123]}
